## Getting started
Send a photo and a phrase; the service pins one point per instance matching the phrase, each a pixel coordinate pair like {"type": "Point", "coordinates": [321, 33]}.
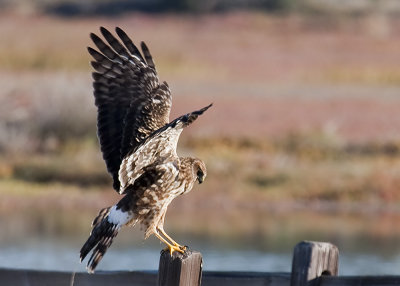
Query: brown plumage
{"type": "Point", "coordinates": [138, 143]}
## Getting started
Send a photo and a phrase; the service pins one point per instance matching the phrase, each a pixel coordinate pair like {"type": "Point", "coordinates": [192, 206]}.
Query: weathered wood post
{"type": "Point", "coordinates": [312, 260]}
{"type": "Point", "coordinates": [180, 269]}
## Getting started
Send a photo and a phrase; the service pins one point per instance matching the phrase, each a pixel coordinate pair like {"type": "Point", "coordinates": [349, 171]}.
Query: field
{"type": "Point", "coordinates": [305, 123]}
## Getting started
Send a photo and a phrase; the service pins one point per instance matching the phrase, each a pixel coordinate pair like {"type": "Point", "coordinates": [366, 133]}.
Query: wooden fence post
{"type": "Point", "coordinates": [180, 269]}
{"type": "Point", "coordinates": [312, 260]}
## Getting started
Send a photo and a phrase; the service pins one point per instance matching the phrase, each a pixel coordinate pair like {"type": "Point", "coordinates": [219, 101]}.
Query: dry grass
{"type": "Point", "coordinates": [40, 110]}
{"type": "Point", "coordinates": [288, 170]}
{"type": "Point", "coordinates": [250, 47]}
{"type": "Point", "coordinates": [245, 172]}
{"type": "Point", "coordinates": [257, 194]}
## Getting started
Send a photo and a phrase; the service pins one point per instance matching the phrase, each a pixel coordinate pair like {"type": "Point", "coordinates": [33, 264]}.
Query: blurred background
{"type": "Point", "coordinates": [302, 142]}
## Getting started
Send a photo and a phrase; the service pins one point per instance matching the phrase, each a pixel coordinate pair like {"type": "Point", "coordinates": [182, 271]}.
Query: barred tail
{"type": "Point", "coordinates": [100, 239]}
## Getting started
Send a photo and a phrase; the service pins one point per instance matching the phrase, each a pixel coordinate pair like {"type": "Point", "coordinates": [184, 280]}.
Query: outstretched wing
{"type": "Point", "coordinates": [131, 101]}
{"type": "Point", "coordinates": [160, 145]}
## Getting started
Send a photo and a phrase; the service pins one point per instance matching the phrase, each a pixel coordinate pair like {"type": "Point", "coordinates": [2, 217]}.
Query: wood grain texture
{"type": "Point", "coordinates": [180, 269]}
{"type": "Point", "coordinates": [311, 260]}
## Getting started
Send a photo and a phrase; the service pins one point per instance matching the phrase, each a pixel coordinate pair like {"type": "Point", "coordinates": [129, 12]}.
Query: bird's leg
{"type": "Point", "coordinates": [161, 229]}
{"type": "Point", "coordinates": [170, 247]}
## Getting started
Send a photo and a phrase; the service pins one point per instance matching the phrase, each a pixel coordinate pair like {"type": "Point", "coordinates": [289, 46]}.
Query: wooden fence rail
{"type": "Point", "coordinates": [314, 264]}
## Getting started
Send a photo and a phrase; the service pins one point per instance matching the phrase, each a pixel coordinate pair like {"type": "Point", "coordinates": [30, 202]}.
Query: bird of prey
{"type": "Point", "coordinates": [138, 143]}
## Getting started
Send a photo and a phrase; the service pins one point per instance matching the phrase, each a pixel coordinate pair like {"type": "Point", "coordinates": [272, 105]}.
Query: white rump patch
{"type": "Point", "coordinates": [118, 217]}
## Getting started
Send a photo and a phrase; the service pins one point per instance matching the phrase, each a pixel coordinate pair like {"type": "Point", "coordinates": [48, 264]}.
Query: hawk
{"type": "Point", "coordinates": [138, 143]}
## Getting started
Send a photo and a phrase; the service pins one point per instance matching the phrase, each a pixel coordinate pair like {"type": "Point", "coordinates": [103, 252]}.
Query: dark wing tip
{"type": "Point", "coordinates": [94, 37]}
{"type": "Point", "coordinates": [147, 55]}
{"type": "Point", "coordinates": [95, 54]}
{"type": "Point", "coordinates": [190, 117]}
{"type": "Point", "coordinates": [201, 111]}
{"type": "Point", "coordinates": [208, 106]}
{"type": "Point", "coordinates": [103, 30]}
{"type": "Point", "coordinates": [106, 33]}
{"type": "Point", "coordinates": [121, 33]}
{"type": "Point", "coordinates": [146, 51]}
{"type": "Point", "coordinates": [126, 40]}
{"type": "Point", "coordinates": [91, 51]}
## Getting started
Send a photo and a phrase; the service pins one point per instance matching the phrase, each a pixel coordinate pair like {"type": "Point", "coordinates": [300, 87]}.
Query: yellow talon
{"type": "Point", "coordinates": [173, 248]}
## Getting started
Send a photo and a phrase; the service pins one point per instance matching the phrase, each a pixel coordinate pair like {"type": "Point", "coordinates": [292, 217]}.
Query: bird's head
{"type": "Point", "coordinates": [200, 169]}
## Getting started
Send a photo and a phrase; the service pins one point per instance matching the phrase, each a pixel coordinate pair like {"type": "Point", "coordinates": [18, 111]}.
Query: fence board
{"type": "Point", "coordinates": [314, 263]}
{"type": "Point", "coordinates": [22, 277]}
{"type": "Point", "coordinates": [359, 281]}
{"type": "Point", "coordinates": [311, 260]}
{"type": "Point", "coordinates": [15, 277]}
{"type": "Point", "coordinates": [34, 278]}
{"type": "Point", "coordinates": [180, 269]}
{"type": "Point", "coordinates": [216, 278]}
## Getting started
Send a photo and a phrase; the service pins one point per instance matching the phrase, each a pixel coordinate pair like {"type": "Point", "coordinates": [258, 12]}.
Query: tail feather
{"type": "Point", "coordinates": [100, 216]}
{"type": "Point", "coordinates": [102, 246]}
{"type": "Point", "coordinates": [100, 239]}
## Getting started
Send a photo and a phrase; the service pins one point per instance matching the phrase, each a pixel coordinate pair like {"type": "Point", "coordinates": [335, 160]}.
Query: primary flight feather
{"type": "Point", "coordinates": [138, 143]}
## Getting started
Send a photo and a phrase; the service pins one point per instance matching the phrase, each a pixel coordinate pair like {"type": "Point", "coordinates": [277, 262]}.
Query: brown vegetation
{"type": "Point", "coordinates": [305, 114]}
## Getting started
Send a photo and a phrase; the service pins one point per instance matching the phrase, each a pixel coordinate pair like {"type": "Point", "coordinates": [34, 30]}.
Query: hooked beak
{"type": "Point", "coordinates": [200, 179]}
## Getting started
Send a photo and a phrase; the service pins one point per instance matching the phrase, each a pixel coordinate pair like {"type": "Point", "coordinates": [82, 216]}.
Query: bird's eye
{"type": "Point", "coordinates": [200, 176]}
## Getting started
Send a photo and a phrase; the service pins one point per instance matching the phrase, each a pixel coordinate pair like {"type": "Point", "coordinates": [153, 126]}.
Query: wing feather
{"type": "Point", "coordinates": [160, 145]}
{"type": "Point", "coordinates": [105, 49]}
{"type": "Point", "coordinates": [129, 44]}
{"type": "Point", "coordinates": [114, 43]}
{"type": "Point", "coordinates": [131, 101]}
{"type": "Point", "coordinates": [147, 55]}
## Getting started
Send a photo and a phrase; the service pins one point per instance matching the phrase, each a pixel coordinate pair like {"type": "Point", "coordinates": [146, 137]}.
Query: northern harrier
{"type": "Point", "coordinates": [138, 143]}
